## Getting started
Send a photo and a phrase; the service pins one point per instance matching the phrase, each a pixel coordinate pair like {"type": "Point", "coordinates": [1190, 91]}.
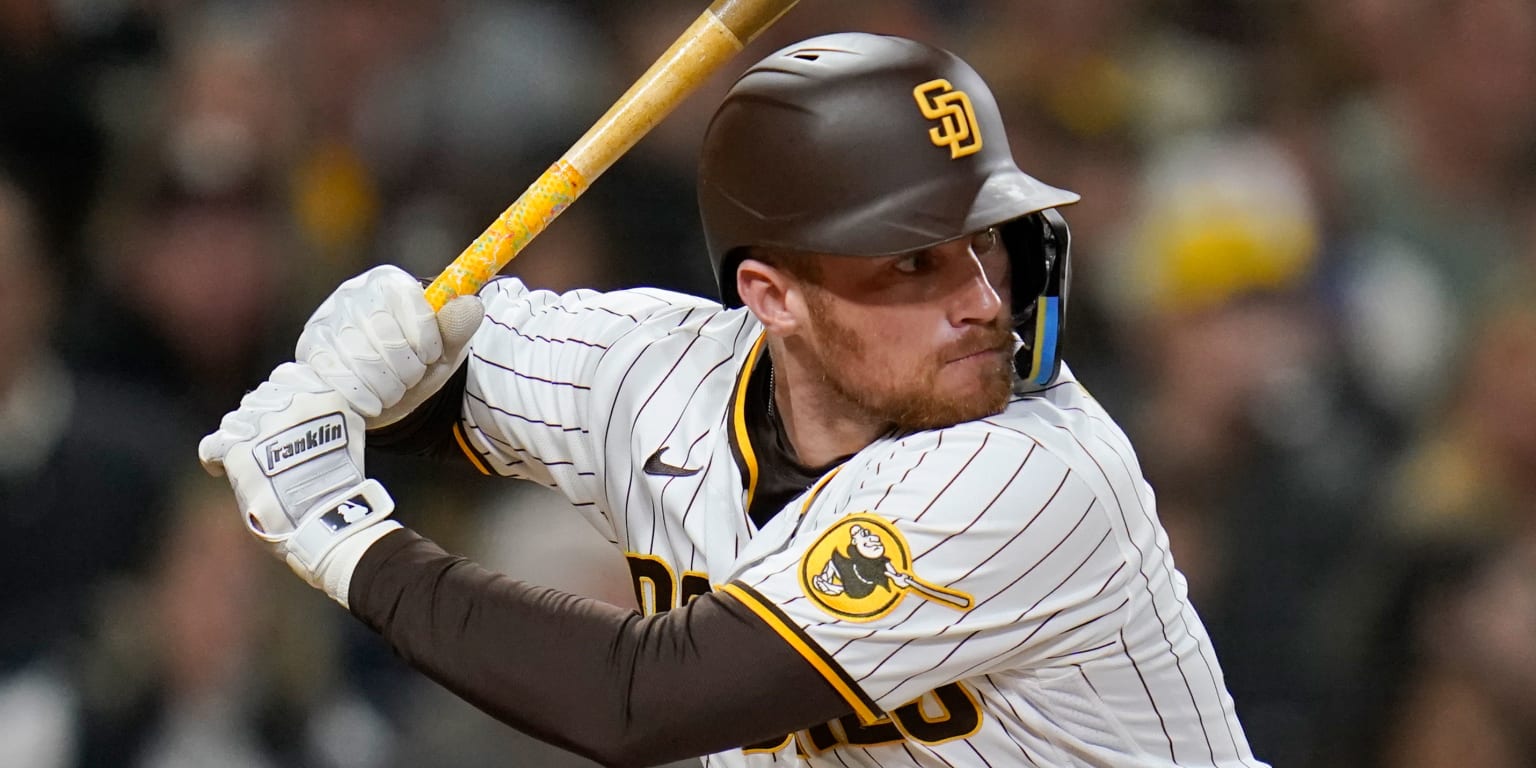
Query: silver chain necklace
{"type": "Point", "coordinates": [771, 410]}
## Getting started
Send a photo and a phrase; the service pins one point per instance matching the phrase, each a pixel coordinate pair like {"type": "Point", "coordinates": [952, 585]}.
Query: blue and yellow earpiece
{"type": "Point", "coordinates": [1040, 247]}
{"type": "Point", "coordinates": [1042, 366]}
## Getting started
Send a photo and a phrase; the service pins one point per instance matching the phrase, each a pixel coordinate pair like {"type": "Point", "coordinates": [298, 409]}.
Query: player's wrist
{"type": "Point", "coordinates": [334, 575]}
{"type": "Point", "coordinates": [321, 548]}
{"type": "Point", "coordinates": [342, 514]}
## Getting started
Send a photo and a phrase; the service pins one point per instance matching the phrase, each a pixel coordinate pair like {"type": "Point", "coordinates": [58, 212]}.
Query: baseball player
{"type": "Point", "coordinates": [873, 519]}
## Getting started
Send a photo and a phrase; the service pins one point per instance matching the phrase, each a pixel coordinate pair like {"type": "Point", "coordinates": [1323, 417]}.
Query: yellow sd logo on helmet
{"type": "Point", "coordinates": [957, 119]}
{"type": "Point", "coordinates": [861, 567]}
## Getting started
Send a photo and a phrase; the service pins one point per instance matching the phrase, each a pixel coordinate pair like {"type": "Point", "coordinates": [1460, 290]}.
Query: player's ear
{"type": "Point", "coordinates": [774, 296]}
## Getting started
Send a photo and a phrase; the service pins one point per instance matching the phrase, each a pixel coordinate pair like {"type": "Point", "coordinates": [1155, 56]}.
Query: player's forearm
{"type": "Point", "coordinates": [585, 675]}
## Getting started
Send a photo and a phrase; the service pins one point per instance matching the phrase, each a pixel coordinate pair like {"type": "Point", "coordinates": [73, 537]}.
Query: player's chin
{"type": "Point", "coordinates": [967, 399]}
{"type": "Point", "coordinates": [991, 400]}
{"type": "Point", "coordinates": [947, 413]}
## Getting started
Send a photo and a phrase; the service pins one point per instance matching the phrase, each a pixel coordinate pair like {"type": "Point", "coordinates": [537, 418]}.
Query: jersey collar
{"type": "Point", "coordinates": [770, 474]}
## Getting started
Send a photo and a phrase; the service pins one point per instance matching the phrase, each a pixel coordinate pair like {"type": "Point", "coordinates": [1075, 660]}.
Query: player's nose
{"type": "Point", "coordinates": [975, 300]}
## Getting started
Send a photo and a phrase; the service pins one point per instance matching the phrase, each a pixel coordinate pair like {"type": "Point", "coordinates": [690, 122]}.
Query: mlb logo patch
{"type": "Point", "coordinates": [347, 513]}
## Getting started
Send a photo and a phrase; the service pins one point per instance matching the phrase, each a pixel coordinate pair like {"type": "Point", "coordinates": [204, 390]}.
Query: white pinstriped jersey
{"type": "Point", "coordinates": [995, 593]}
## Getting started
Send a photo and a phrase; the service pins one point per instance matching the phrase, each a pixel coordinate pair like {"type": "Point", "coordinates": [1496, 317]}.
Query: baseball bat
{"type": "Point", "coordinates": [719, 33]}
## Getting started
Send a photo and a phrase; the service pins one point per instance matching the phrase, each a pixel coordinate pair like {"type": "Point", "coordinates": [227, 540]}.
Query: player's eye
{"type": "Point", "coordinates": [986, 241]}
{"type": "Point", "coordinates": [914, 263]}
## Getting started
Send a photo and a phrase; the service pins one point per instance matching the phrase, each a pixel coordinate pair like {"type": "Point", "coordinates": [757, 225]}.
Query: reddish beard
{"type": "Point", "coordinates": [912, 400]}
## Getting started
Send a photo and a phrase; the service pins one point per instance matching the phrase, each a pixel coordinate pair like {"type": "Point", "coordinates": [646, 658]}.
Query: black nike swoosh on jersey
{"type": "Point", "coordinates": [655, 466]}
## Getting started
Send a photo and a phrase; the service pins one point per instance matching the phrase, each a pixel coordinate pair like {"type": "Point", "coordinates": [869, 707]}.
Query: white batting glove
{"type": "Point", "coordinates": [377, 341]}
{"type": "Point", "coordinates": [293, 452]}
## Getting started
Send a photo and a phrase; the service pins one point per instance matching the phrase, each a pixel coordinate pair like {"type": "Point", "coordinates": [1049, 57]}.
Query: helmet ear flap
{"type": "Point", "coordinates": [1039, 247]}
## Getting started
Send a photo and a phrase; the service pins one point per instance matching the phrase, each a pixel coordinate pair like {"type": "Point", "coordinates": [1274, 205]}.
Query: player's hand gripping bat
{"type": "Point", "coordinates": [717, 35]}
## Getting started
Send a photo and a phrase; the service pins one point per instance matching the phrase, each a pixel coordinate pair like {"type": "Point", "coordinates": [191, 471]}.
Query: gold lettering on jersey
{"type": "Point", "coordinates": [861, 568]}
{"type": "Point", "coordinates": [657, 588]}
{"type": "Point", "coordinates": [654, 582]}
{"type": "Point", "coordinates": [957, 715]}
{"type": "Point", "coordinates": [957, 119]}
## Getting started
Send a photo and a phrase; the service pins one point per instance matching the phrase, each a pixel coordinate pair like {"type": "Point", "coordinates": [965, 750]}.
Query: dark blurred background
{"type": "Point", "coordinates": [1303, 284]}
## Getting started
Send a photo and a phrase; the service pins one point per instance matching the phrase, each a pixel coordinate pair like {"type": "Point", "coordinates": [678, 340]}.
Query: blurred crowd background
{"type": "Point", "coordinates": [1303, 283]}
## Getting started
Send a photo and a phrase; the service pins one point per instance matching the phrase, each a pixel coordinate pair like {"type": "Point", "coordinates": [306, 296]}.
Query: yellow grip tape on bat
{"type": "Point", "coordinates": [555, 189]}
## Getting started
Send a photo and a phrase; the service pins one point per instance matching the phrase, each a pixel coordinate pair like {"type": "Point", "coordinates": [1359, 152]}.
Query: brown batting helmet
{"type": "Point", "coordinates": [871, 145]}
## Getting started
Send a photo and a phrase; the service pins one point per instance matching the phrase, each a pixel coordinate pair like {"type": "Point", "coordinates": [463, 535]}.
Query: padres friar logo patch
{"type": "Point", "coordinates": [957, 119]}
{"type": "Point", "coordinates": [861, 567]}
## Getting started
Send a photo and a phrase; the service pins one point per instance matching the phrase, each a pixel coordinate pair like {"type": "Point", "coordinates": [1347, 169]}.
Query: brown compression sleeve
{"type": "Point", "coordinates": [585, 675]}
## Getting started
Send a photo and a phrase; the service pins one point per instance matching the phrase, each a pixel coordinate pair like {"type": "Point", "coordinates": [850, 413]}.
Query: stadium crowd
{"type": "Point", "coordinates": [1305, 279]}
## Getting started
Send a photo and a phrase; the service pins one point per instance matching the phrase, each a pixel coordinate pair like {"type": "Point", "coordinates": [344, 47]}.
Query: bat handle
{"type": "Point", "coordinates": [719, 33]}
{"type": "Point", "coordinates": [528, 215]}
